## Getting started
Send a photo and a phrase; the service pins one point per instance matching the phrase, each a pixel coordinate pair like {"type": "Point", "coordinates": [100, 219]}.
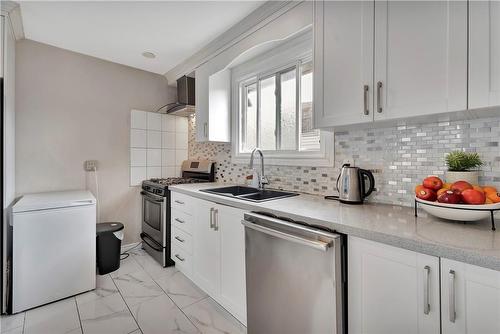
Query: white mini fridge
{"type": "Point", "coordinates": [53, 247]}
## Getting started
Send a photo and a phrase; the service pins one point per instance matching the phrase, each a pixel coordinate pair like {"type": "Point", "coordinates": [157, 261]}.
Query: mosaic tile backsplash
{"type": "Point", "coordinates": [399, 156]}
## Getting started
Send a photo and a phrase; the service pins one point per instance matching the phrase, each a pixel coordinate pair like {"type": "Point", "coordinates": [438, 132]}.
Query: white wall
{"type": "Point", "coordinates": [8, 73]}
{"type": "Point", "coordinates": [72, 108]}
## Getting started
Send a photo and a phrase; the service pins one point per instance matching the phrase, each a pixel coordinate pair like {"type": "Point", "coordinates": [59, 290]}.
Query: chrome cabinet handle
{"type": "Point", "coordinates": [365, 99]}
{"type": "Point", "coordinates": [205, 125]}
{"type": "Point", "coordinates": [179, 220]}
{"type": "Point", "coordinates": [379, 97]}
{"type": "Point", "coordinates": [451, 297]}
{"type": "Point", "coordinates": [179, 239]}
{"type": "Point", "coordinates": [216, 219]}
{"type": "Point", "coordinates": [179, 202]}
{"type": "Point", "coordinates": [212, 218]}
{"type": "Point", "coordinates": [427, 277]}
{"type": "Point", "coordinates": [180, 258]}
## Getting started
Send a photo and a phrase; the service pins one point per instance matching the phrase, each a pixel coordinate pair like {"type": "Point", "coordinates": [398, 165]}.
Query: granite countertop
{"type": "Point", "coordinates": [474, 243]}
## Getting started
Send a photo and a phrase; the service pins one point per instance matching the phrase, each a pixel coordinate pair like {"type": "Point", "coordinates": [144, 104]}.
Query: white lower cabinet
{"type": "Point", "coordinates": [218, 253]}
{"type": "Point", "coordinates": [391, 290]}
{"type": "Point", "coordinates": [470, 299]}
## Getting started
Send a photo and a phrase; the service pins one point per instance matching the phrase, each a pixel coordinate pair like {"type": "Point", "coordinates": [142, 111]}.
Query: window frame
{"type": "Point", "coordinates": [264, 66]}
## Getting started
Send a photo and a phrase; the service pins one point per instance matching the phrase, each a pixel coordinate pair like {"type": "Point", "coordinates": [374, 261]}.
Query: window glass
{"type": "Point", "coordinates": [288, 110]}
{"type": "Point", "coordinates": [309, 137]}
{"type": "Point", "coordinates": [268, 113]}
{"type": "Point", "coordinates": [248, 129]}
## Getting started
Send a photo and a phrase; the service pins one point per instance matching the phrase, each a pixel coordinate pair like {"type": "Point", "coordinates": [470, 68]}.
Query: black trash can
{"type": "Point", "coordinates": [108, 242]}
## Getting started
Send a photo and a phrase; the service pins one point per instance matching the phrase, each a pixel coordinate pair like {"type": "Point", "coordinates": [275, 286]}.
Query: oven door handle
{"type": "Point", "coordinates": [156, 247]}
{"type": "Point", "coordinates": [156, 199]}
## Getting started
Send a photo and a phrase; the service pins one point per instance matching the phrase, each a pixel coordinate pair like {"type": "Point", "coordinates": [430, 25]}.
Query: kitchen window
{"type": "Point", "coordinates": [276, 111]}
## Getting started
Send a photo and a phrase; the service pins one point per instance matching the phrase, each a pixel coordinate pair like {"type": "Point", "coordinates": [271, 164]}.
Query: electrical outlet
{"type": "Point", "coordinates": [349, 160]}
{"type": "Point", "coordinates": [90, 165]}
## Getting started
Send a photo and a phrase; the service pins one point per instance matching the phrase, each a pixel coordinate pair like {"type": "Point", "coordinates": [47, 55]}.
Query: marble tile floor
{"type": "Point", "coordinates": [140, 297]}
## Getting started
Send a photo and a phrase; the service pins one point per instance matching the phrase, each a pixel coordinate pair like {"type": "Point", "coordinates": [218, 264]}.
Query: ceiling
{"type": "Point", "coordinates": [120, 31]}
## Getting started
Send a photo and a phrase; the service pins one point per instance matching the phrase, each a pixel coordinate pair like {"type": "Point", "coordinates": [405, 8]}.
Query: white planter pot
{"type": "Point", "coordinates": [472, 177]}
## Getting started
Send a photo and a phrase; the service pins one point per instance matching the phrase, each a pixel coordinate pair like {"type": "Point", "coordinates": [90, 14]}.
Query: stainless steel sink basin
{"type": "Point", "coordinates": [249, 193]}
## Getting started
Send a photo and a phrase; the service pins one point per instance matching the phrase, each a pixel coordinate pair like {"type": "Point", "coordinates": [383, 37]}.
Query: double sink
{"type": "Point", "coordinates": [249, 193]}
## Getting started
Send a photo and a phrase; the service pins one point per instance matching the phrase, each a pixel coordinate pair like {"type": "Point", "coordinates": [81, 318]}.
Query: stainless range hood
{"type": "Point", "coordinates": [185, 98]}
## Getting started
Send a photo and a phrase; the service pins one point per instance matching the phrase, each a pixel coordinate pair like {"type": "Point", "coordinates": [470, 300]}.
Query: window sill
{"type": "Point", "coordinates": [323, 158]}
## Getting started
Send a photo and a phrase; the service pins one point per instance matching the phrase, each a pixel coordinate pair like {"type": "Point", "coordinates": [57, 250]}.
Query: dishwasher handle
{"type": "Point", "coordinates": [316, 244]}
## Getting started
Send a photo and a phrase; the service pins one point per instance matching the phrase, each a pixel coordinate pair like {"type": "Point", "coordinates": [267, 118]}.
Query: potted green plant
{"type": "Point", "coordinates": [463, 166]}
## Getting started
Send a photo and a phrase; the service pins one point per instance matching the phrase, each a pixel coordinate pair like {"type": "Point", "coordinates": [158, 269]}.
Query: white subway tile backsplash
{"type": "Point", "coordinates": [153, 172]}
{"type": "Point", "coordinates": [180, 156]}
{"type": "Point", "coordinates": [154, 121]}
{"type": "Point", "coordinates": [168, 157]}
{"type": "Point", "coordinates": [168, 122]}
{"type": "Point", "coordinates": [154, 157]}
{"type": "Point", "coordinates": [170, 171]}
{"type": "Point", "coordinates": [154, 139]}
{"type": "Point", "coordinates": [158, 145]}
{"type": "Point", "coordinates": [137, 175]}
{"type": "Point", "coordinates": [138, 138]}
{"type": "Point", "coordinates": [138, 119]}
{"type": "Point", "coordinates": [181, 124]}
{"type": "Point", "coordinates": [168, 140]}
{"type": "Point", "coordinates": [138, 157]}
{"type": "Point", "coordinates": [181, 140]}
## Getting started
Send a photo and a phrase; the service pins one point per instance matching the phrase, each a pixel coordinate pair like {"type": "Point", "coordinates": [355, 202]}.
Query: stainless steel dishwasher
{"type": "Point", "coordinates": [294, 277]}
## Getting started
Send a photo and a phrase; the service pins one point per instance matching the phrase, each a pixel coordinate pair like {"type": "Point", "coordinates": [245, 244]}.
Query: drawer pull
{"type": "Point", "coordinates": [180, 258]}
{"type": "Point", "coordinates": [179, 239]}
{"type": "Point", "coordinates": [179, 202]}
{"type": "Point", "coordinates": [179, 220]}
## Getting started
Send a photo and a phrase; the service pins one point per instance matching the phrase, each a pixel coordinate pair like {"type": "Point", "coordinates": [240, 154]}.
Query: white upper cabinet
{"type": "Point", "coordinates": [213, 100]}
{"type": "Point", "coordinates": [391, 290]}
{"type": "Point", "coordinates": [343, 62]}
{"type": "Point", "coordinates": [484, 54]}
{"type": "Point", "coordinates": [470, 298]}
{"type": "Point", "coordinates": [380, 60]}
{"type": "Point", "coordinates": [420, 58]}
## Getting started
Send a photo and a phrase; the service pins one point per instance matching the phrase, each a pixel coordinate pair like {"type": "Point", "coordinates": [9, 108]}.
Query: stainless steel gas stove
{"type": "Point", "coordinates": [156, 207]}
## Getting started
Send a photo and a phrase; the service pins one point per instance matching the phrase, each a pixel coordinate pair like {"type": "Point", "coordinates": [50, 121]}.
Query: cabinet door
{"type": "Point", "coordinates": [420, 58]}
{"type": "Point", "coordinates": [232, 236]}
{"type": "Point", "coordinates": [201, 100]}
{"type": "Point", "coordinates": [470, 299]}
{"type": "Point", "coordinates": [206, 248]}
{"type": "Point", "coordinates": [484, 54]}
{"type": "Point", "coordinates": [343, 62]}
{"type": "Point", "coordinates": [391, 290]}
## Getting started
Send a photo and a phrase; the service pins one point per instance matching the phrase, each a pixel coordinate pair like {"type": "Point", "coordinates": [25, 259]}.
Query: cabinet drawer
{"type": "Point", "coordinates": [182, 221]}
{"type": "Point", "coordinates": [183, 260]}
{"type": "Point", "coordinates": [182, 240]}
{"type": "Point", "coordinates": [182, 203]}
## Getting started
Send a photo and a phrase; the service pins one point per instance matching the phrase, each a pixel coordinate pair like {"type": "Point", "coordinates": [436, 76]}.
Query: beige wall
{"type": "Point", "coordinates": [71, 108]}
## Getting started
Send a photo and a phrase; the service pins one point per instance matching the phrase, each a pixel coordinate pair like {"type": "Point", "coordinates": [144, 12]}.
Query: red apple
{"type": "Point", "coordinates": [473, 196]}
{"type": "Point", "coordinates": [449, 197]}
{"type": "Point", "coordinates": [427, 194]}
{"type": "Point", "coordinates": [433, 182]}
{"type": "Point", "coordinates": [460, 186]}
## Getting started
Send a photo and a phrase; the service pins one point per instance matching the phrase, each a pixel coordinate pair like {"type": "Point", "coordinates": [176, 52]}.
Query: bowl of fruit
{"type": "Point", "coordinates": [457, 201]}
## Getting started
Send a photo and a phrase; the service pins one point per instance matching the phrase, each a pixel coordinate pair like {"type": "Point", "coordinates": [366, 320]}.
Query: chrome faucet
{"type": "Point", "coordinates": [262, 179]}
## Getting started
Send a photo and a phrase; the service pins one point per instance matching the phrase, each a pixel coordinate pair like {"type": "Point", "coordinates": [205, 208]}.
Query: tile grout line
{"type": "Point", "coordinates": [166, 294]}
{"type": "Point", "coordinates": [78, 313]}
{"type": "Point", "coordinates": [128, 308]}
{"type": "Point", "coordinates": [180, 309]}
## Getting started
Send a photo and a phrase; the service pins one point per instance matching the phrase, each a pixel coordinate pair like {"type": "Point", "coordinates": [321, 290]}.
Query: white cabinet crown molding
{"type": "Point", "coordinates": [12, 11]}
{"type": "Point", "coordinates": [259, 18]}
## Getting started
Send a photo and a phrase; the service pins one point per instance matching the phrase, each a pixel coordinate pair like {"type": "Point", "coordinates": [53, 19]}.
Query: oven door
{"type": "Point", "coordinates": [154, 218]}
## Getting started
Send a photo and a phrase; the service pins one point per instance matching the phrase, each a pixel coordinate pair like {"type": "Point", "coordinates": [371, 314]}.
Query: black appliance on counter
{"type": "Point", "coordinates": [156, 207]}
